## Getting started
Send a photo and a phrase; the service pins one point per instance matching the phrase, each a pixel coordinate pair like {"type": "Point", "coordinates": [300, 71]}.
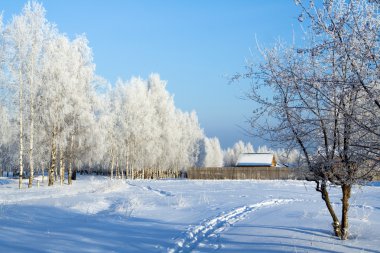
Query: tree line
{"type": "Point", "coordinates": [57, 115]}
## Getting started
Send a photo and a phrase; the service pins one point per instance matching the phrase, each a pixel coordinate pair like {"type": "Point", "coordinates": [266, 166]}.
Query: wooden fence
{"type": "Point", "coordinates": [217, 173]}
{"type": "Point", "coordinates": [269, 173]}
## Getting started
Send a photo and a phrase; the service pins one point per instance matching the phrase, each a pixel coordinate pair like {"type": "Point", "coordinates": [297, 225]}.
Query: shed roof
{"type": "Point", "coordinates": [256, 159]}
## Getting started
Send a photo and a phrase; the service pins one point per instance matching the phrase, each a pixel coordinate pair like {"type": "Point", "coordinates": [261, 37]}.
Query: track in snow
{"type": "Point", "coordinates": [159, 192]}
{"type": "Point", "coordinates": [201, 232]}
{"type": "Point", "coordinates": [153, 190]}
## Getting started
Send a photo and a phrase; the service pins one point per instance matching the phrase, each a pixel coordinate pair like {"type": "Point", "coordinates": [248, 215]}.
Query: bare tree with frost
{"type": "Point", "coordinates": [319, 99]}
{"type": "Point", "coordinates": [353, 28]}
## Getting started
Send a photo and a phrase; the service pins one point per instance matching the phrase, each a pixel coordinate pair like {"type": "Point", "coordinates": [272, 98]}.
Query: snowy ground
{"type": "Point", "coordinates": [99, 215]}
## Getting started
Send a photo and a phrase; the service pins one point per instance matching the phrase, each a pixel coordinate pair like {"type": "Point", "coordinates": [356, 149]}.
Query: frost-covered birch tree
{"type": "Point", "coordinates": [24, 40]}
{"type": "Point", "coordinates": [68, 112]}
{"type": "Point", "coordinates": [211, 154]}
{"type": "Point", "coordinates": [149, 133]}
{"type": "Point", "coordinates": [33, 18]}
{"type": "Point", "coordinates": [17, 55]}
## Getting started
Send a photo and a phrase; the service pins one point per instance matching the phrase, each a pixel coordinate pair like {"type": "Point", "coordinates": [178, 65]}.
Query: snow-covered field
{"type": "Point", "coordinates": [99, 215]}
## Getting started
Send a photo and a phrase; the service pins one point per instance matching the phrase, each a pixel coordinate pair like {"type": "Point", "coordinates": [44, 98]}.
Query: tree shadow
{"type": "Point", "coordinates": [50, 229]}
{"type": "Point", "coordinates": [269, 235]}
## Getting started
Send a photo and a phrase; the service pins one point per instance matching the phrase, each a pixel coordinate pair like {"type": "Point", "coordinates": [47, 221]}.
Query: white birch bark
{"type": "Point", "coordinates": [70, 173]}
{"type": "Point", "coordinates": [21, 130]}
{"type": "Point", "coordinates": [61, 167]}
{"type": "Point", "coordinates": [53, 165]}
{"type": "Point", "coordinates": [31, 161]}
{"type": "Point", "coordinates": [117, 168]}
{"type": "Point", "coordinates": [127, 162]}
{"type": "Point", "coordinates": [112, 162]}
{"type": "Point", "coordinates": [43, 172]}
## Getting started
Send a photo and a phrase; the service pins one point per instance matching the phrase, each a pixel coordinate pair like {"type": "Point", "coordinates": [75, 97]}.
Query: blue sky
{"type": "Point", "coordinates": [193, 45]}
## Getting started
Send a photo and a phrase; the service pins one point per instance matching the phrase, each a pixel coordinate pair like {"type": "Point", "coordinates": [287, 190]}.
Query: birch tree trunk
{"type": "Point", "coordinates": [43, 172]}
{"type": "Point", "coordinates": [131, 158]}
{"type": "Point", "coordinates": [117, 168]}
{"type": "Point", "coordinates": [127, 163]}
{"type": "Point", "coordinates": [112, 163]}
{"type": "Point", "coordinates": [21, 131]}
{"type": "Point", "coordinates": [52, 168]}
{"type": "Point", "coordinates": [31, 161]}
{"type": "Point", "coordinates": [70, 174]}
{"type": "Point", "coordinates": [61, 167]}
{"type": "Point", "coordinates": [56, 167]}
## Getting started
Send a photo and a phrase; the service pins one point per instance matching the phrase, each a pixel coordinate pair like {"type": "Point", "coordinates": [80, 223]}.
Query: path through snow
{"type": "Point", "coordinates": [156, 191]}
{"type": "Point", "coordinates": [217, 224]}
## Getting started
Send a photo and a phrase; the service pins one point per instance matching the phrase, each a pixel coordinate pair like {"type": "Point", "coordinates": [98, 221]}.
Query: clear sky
{"type": "Point", "coordinates": [193, 45]}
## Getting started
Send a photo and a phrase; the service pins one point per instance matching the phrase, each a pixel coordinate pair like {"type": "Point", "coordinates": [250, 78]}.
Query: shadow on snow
{"type": "Point", "coordinates": [47, 229]}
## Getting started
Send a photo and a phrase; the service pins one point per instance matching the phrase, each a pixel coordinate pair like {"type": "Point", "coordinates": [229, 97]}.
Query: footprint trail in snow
{"type": "Point", "coordinates": [207, 228]}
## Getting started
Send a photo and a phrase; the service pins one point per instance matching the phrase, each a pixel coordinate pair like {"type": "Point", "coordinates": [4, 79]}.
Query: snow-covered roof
{"type": "Point", "coordinates": [256, 159]}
